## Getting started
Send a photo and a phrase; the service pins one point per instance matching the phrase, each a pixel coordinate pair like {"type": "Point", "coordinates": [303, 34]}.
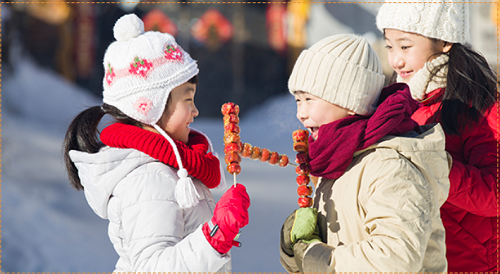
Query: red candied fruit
{"type": "Point", "coordinates": [303, 180]}
{"type": "Point", "coordinates": [303, 169]}
{"type": "Point", "coordinates": [264, 155]}
{"type": "Point", "coordinates": [283, 160]}
{"type": "Point", "coordinates": [275, 157]}
{"type": "Point", "coordinates": [230, 107]}
{"type": "Point", "coordinates": [232, 157]}
{"type": "Point", "coordinates": [232, 147]}
{"type": "Point", "coordinates": [302, 158]}
{"type": "Point", "coordinates": [300, 135]}
{"type": "Point", "coordinates": [255, 153]}
{"type": "Point", "coordinates": [231, 138]}
{"type": "Point", "coordinates": [305, 201]}
{"type": "Point", "coordinates": [247, 150]}
{"type": "Point", "coordinates": [300, 146]}
{"type": "Point", "coordinates": [304, 190]}
{"type": "Point", "coordinates": [231, 118]}
{"type": "Point", "coordinates": [232, 127]}
{"type": "Point", "coordinates": [234, 168]}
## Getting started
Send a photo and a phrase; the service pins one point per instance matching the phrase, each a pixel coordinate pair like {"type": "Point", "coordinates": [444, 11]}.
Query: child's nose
{"type": "Point", "coordinates": [196, 112]}
{"type": "Point", "coordinates": [301, 113]}
{"type": "Point", "coordinates": [397, 62]}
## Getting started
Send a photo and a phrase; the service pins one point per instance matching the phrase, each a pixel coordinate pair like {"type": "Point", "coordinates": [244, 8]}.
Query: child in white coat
{"type": "Point", "coordinates": [150, 174]}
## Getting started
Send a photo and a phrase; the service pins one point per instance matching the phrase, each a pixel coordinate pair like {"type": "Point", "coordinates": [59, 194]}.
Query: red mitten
{"type": "Point", "coordinates": [230, 214]}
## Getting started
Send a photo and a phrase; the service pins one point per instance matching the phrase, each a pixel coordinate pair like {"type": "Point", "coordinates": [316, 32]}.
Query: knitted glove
{"type": "Point", "coordinates": [300, 225]}
{"type": "Point", "coordinates": [230, 214]}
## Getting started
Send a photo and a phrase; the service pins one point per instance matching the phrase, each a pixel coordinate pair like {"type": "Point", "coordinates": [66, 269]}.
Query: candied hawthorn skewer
{"type": "Point", "coordinates": [264, 155]}
{"type": "Point", "coordinates": [234, 149]}
{"type": "Point", "coordinates": [301, 146]}
{"type": "Point", "coordinates": [232, 141]}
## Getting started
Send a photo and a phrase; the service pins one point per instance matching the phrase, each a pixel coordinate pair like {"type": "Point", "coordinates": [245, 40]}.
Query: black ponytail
{"type": "Point", "coordinates": [471, 88]}
{"type": "Point", "coordinates": [82, 135]}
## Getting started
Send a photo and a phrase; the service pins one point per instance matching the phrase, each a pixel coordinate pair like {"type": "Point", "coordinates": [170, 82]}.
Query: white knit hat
{"type": "Point", "coordinates": [446, 20]}
{"type": "Point", "coordinates": [341, 69]}
{"type": "Point", "coordinates": [141, 69]}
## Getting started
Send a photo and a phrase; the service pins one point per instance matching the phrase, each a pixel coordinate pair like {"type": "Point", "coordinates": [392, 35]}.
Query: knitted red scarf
{"type": "Point", "coordinates": [195, 159]}
{"type": "Point", "coordinates": [333, 152]}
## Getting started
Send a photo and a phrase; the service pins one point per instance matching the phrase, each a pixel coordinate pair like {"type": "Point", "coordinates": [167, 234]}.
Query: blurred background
{"type": "Point", "coordinates": [245, 51]}
{"type": "Point", "coordinates": [52, 69]}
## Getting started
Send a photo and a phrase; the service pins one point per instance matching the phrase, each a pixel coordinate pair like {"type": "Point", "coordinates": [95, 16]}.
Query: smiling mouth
{"type": "Point", "coordinates": [405, 74]}
{"type": "Point", "coordinates": [314, 132]}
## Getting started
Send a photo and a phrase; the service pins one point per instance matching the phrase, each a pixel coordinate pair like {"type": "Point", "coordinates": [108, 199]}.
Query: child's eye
{"type": "Point", "coordinates": [405, 47]}
{"type": "Point", "coordinates": [388, 47]}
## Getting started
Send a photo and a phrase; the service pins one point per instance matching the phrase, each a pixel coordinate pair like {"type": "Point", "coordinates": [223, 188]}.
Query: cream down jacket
{"type": "Point", "coordinates": [149, 231]}
{"type": "Point", "coordinates": [382, 214]}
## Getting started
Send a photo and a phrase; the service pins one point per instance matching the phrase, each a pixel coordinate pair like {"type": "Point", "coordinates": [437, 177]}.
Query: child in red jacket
{"type": "Point", "coordinates": [427, 46]}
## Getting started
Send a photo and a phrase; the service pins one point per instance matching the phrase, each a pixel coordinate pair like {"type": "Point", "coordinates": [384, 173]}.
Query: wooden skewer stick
{"type": "Point", "coordinates": [234, 179]}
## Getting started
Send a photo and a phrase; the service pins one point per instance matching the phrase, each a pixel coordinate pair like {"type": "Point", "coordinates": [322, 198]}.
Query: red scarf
{"type": "Point", "coordinates": [195, 159]}
{"type": "Point", "coordinates": [333, 152]}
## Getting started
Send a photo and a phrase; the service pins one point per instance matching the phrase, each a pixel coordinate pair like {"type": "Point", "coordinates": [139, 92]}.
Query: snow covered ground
{"type": "Point", "coordinates": [48, 227]}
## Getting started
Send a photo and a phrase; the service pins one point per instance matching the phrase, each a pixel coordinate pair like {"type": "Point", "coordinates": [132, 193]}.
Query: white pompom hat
{"type": "Point", "coordinates": [446, 20]}
{"type": "Point", "coordinates": [141, 69]}
{"type": "Point", "coordinates": [341, 69]}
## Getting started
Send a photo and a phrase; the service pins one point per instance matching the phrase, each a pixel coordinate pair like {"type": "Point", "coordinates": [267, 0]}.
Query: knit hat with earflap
{"type": "Point", "coordinates": [141, 69]}
{"type": "Point", "coordinates": [446, 20]}
{"type": "Point", "coordinates": [341, 69]}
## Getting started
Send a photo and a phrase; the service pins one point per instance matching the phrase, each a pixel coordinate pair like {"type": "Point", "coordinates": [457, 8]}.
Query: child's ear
{"type": "Point", "coordinates": [447, 46]}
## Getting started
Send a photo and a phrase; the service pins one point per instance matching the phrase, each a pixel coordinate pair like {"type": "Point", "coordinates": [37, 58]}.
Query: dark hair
{"type": "Point", "coordinates": [194, 80]}
{"type": "Point", "coordinates": [82, 133]}
{"type": "Point", "coordinates": [471, 88]}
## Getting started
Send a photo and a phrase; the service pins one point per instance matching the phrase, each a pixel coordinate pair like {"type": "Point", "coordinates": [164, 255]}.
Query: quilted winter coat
{"type": "Point", "coordinates": [149, 231]}
{"type": "Point", "coordinates": [471, 212]}
{"type": "Point", "coordinates": [382, 214]}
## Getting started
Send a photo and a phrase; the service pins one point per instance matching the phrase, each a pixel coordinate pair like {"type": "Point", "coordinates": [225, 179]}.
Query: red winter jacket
{"type": "Point", "coordinates": [471, 213]}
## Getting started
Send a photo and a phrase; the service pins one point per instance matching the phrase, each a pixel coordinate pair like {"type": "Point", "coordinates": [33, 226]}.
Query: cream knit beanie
{"type": "Point", "coordinates": [446, 20]}
{"type": "Point", "coordinates": [341, 69]}
{"type": "Point", "coordinates": [141, 69]}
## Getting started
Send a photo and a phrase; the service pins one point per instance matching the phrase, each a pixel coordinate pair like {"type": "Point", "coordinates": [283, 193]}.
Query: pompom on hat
{"type": "Point", "coordinates": [446, 20]}
{"type": "Point", "coordinates": [341, 69]}
{"type": "Point", "coordinates": [141, 69]}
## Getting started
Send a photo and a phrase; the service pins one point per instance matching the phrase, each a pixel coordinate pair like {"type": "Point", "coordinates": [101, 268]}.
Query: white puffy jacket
{"type": "Point", "coordinates": [149, 231]}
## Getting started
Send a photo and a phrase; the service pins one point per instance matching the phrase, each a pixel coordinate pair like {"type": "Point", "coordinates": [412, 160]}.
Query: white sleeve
{"type": "Point", "coordinates": [153, 229]}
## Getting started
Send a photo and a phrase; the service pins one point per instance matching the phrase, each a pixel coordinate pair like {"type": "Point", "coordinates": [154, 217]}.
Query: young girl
{"type": "Point", "coordinates": [427, 45]}
{"type": "Point", "coordinates": [151, 174]}
{"type": "Point", "coordinates": [382, 180]}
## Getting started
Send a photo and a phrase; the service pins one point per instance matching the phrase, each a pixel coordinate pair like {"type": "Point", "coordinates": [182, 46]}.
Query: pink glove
{"type": "Point", "coordinates": [230, 214]}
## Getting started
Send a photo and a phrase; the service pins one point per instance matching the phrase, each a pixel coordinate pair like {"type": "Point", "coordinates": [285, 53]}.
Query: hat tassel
{"type": "Point", "coordinates": [185, 192]}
